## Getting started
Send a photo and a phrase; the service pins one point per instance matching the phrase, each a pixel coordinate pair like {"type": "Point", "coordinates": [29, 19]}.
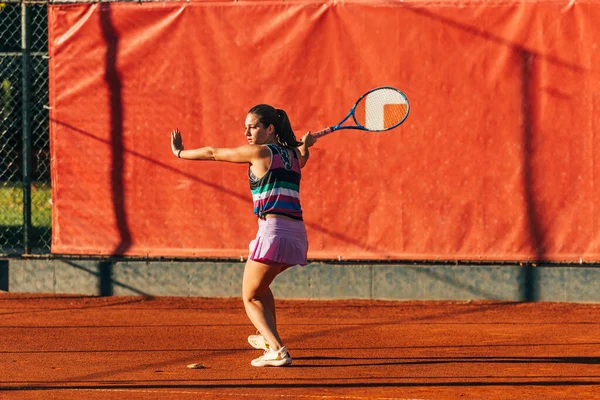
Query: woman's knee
{"type": "Point", "coordinates": [250, 296]}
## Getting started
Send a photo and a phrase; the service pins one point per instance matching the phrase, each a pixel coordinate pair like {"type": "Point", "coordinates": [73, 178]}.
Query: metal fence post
{"type": "Point", "coordinates": [26, 87]}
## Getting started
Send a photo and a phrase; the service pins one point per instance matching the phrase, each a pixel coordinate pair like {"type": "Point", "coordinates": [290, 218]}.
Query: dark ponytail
{"type": "Point", "coordinates": [267, 115]}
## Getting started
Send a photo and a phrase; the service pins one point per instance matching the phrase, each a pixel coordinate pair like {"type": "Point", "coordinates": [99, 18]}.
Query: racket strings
{"type": "Point", "coordinates": [381, 109]}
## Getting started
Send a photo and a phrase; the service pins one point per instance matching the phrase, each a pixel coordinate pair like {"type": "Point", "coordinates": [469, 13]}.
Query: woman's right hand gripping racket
{"type": "Point", "coordinates": [378, 110]}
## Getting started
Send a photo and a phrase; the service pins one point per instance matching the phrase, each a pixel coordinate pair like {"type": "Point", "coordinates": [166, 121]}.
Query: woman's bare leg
{"type": "Point", "coordinates": [269, 302]}
{"type": "Point", "coordinates": [258, 299]}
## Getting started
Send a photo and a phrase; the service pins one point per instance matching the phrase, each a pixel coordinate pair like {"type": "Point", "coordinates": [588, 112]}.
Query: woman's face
{"type": "Point", "coordinates": [255, 132]}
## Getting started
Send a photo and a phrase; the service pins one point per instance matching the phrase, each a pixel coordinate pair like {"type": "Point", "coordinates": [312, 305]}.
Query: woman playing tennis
{"type": "Point", "coordinates": [275, 158]}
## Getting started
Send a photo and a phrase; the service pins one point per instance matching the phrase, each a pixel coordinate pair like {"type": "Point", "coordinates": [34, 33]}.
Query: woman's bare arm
{"type": "Point", "coordinates": [307, 141]}
{"type": "Point", "coordinates": [246, 154]}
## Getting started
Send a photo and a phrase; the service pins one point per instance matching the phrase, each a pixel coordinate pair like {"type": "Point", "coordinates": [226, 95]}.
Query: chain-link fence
{"type": "Point", "coordinates": [25, 203]}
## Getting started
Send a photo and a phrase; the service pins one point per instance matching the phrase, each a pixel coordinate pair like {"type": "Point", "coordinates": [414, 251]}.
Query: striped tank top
{"type": "Point", "coordinates": [278, 191]}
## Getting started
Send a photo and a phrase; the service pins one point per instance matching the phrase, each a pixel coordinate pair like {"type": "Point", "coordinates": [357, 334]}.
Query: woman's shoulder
{"type": "Point", "coordinates": [258, 148]}
{"type": "Point", "coordinates": [251, 151]}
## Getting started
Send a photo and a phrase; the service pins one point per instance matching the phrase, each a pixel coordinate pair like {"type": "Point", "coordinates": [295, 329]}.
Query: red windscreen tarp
{"type": "Point", "coordinates": [498, 159]}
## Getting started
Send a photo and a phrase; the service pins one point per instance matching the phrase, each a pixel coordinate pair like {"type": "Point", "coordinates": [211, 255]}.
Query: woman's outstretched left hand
{"type": "Point", "coordinates": [176, 141]}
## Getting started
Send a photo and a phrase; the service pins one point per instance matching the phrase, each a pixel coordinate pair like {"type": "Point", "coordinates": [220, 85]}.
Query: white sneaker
{"type": "Point", "coordinates": [258, 342]}
{"type": "Point", "coordinates": [273, 358]}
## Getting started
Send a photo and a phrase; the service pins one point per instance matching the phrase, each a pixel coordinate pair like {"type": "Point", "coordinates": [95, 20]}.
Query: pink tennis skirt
{"type": "Point", "coordinates": [280, 241]}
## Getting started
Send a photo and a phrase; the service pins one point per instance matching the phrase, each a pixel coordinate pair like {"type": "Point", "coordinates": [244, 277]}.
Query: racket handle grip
{"type": "Point", "coordinates": [324, 132]}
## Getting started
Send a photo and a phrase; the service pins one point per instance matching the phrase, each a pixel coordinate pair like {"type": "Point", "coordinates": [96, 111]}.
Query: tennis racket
{"type": "Point", "coordinates": [378, 110]}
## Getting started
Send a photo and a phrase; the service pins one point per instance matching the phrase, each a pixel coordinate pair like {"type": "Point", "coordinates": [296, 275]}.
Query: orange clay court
{"type": "Point", "coordinates": [74, 347]}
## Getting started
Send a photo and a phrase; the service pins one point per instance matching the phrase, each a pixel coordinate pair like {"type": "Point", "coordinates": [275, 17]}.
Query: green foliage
{"type": "Point", "coordinates": [5, 99]}
{"type": "Point", "coordinates": [11, 205]}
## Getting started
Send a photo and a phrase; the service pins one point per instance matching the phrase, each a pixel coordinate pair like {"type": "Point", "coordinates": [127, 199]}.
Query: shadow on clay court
{"type": "Point", "coordinates": [441, 360]}
{"type": "Point", "coordinates": [517, 382]}
{"type": "Point", "coordinates": [58, 309]}
{"type": "Point", "coordinates": [337, 329]}
{"type": "Point", "coordinates": [460, 346]}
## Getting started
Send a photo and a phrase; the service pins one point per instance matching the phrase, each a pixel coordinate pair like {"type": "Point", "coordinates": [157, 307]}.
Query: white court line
{"type": "Point", "coordinates": [305, 396]}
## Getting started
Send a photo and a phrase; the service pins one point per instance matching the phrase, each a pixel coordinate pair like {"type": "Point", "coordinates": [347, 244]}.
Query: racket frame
{"type": "Point", "coordinates": [358, 126]}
